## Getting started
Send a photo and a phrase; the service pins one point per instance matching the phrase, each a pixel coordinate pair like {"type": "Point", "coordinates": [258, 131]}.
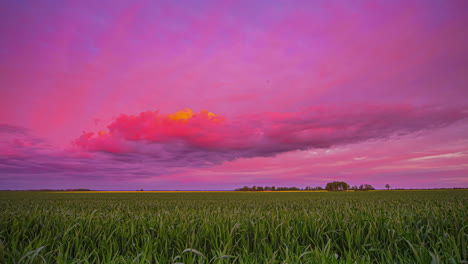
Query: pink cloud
{"type": "Point", "coordinates": [106, 58]}
{"type": "Point", "coordinates": [206, 138]}
{"type": "Point", "coordinates": [416, 155]}
{"type": "Point", "coordinates": [29, 162]}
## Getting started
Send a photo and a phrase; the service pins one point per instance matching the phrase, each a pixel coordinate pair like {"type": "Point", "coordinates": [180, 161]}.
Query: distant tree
{"type": "Point", "coordinates": [337, 186]}
{"type": "Point", "coordinates": [387, 186]}
{"type": "Point", "coordinates": [366, 187]}
{"type": "Point", "coordinates": [267, 188]}
{"type": "Point", "coordinates": [287, 189]}
{"type": "Point", "coordinates": [354, 188]}
{"type": "Point", "coordinates": [308, 188]}
{"type": "Point", "coordinates": [345, 186]}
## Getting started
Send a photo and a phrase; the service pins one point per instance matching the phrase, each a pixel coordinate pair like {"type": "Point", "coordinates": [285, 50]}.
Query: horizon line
{"type": "Point", "coordinates": [213, 190]}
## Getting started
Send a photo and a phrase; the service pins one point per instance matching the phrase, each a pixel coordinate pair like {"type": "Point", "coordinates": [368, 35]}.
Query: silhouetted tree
{"type": "Point", "coordinates": [366, 187]}
{"type": "Point", "coordinates": [337, 186]}
{"type": "Point", "coordinates": [387, 186]}
{"type": "Point", "coordinates": [267, 188]}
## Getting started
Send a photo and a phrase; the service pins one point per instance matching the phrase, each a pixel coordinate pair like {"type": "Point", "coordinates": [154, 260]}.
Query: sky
{"type": "Point", "coordinates": [215, 95]}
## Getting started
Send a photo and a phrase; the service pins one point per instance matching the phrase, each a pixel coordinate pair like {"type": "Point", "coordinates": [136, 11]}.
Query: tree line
{"type": "Point", "coordinates": [266, 188]}
{"type": "Point", "coordinates": [343, 186]}
{"type": "Point", "coordinates": [331, 186]}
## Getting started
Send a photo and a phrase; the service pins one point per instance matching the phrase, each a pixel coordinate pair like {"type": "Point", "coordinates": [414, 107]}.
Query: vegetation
{"type": "Point", "coordinates": [266, 188]}
{"type": "Point", "coordinates": [366, 187]}
{"type": "Point", "coordinates": [318, 188]}
{"type": "Point", "coordinates": [234, 227]}
{"type": "Point", "coordinates": [337, 186]}
{"type": "Point", "coordinates": [331, 186]}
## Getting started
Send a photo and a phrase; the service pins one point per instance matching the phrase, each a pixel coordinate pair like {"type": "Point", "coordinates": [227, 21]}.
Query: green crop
{"type": "Point", "coordinates": [235, 227]}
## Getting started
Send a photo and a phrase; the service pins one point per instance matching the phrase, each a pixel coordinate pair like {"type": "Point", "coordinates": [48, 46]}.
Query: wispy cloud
{"type": "Point", "coordinates": [442, 156]}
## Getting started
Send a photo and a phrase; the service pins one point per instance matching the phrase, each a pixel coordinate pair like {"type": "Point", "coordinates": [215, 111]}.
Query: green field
{"type": "Point", "coordinates": [235, 227]}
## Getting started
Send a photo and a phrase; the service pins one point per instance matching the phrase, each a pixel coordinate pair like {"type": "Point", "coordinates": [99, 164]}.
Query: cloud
{"type": "Point", "coordinates": [194, 139]}
{"type": "Point", "coordinates": [19, 142]}
{"type": "Point", "coordinates": [442, 156]}
{"type": "Point", "coordinates": [10, 129]}
{"type": "Point", "coordinates": [189, 148]}
{"type": "Point", "coordinates": [27, 160]}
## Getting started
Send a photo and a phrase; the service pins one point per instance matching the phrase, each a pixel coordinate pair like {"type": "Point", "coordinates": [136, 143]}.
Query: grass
{"type": "Point", "coordinates": [235, 227]}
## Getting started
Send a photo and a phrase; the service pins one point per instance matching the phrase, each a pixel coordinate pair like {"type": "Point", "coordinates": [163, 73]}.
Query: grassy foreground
{"type": "Point", "coordinates": [235, 227]}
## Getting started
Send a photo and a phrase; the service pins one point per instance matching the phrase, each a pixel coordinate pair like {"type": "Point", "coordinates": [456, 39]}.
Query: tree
{"type": "Point", "coordinates": [345, 186]}
{"type": "Point", "coordinates": [337, 186]}
{"type": "Point", "coordinates": [387, 186]}
{"type": "Point", "coordinates": [366, 187]}
{"type": "Point", "coordinates": [354, 188]}
{"type": "Point", "coordinates": [244, 189]}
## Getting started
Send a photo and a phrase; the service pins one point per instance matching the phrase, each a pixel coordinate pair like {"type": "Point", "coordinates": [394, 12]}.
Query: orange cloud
{"type": "Point", "coordinates": [202, 128]}
{"type": "Point", "coordinates": [182, 115]}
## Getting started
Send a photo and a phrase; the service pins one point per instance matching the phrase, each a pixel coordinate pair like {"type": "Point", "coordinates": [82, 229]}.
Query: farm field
{"type": "Point", "coordinates": [235, 227]}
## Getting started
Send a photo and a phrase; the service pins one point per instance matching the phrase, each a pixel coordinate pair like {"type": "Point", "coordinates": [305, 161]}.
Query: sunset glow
{"type": "Point", "coordinates": [214, 95]}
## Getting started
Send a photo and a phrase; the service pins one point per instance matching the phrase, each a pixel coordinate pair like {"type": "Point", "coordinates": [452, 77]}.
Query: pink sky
{"type": "Point", "coordinates": [222, 94]}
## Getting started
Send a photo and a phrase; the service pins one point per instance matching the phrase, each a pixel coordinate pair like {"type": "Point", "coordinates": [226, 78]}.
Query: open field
{"type": "Point", "coordinates": [235, 227]}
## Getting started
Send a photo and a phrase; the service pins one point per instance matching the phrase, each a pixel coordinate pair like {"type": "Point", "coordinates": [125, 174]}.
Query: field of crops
{"type": "Point", "coordinates": [235, 227]}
